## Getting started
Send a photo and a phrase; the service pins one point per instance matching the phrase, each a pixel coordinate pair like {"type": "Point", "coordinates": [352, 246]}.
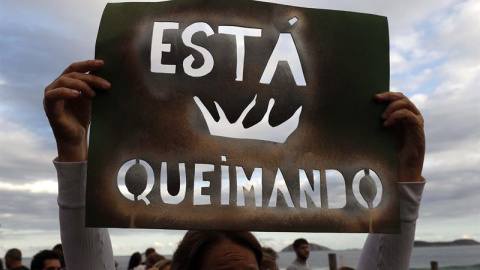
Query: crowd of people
{"type": "Point", "coordinates": [48, 259]}
{"type": "Point", "coordinates": [191, 251]}
{"type": "Point", "coordinates": [153, 261]}
{"type": "Point", "coordinates": [196, 245]}
{"type": "Point", "coordinates": [150, 260]}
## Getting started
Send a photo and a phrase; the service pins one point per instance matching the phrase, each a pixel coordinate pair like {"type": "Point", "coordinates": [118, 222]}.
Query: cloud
{"type": "Point", "coordinates": [24, 157]}
{"type": "Point", "coordinates": [3, 81]}
{"type": "Point", "coordinates": [42, 186]}
{"type": "Point", "coordinates": [434, 58]}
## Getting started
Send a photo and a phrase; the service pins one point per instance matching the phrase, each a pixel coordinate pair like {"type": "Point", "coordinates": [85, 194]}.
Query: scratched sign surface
{"type": "Point", "coordinates": [241, 115]}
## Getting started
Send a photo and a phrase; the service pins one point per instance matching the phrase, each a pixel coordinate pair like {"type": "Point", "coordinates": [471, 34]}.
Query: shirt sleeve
{"type": "Point", "coordinates": [84, 248]}
{"type": "Point", "coordinates": [392, 251]}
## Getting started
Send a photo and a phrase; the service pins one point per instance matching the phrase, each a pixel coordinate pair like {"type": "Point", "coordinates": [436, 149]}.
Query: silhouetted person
{"type": "Point", "coordinates": [302, 250]}
{"type": "Point", "coordinates": [152, 259]}
{"type": "Point", "coordinates": [59, 250]}
{"type": "Point", "coordinates": [135, 262]}
{"type": "Point", "coordinates": [13, 260]}
{"type": "Point", "coordinates": [148, 251]}
{"type": "Point", "coordinates": [46, 259]}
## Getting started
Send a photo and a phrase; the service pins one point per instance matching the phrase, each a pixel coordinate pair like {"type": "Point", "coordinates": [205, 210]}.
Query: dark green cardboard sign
{"type": "Point", "coordinates": [241, 115]}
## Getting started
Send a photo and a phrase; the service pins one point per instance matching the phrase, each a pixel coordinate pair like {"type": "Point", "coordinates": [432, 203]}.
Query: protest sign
{"type": "Point", "coordinates": [241, 115]}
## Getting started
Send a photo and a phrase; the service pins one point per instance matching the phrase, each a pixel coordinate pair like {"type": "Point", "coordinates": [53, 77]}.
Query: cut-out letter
{"type": "Point", "coordinates": [158, 47]}
{"type": "Point", "coordinates": [285, 50]}
{"type": "Point", "coordinates": [240, 33]}
{"type": "Point", "coordinates": [166, 196]}
{"type": "Point", "coordinates": [281, 186]}
{"type": "Point", "coordinates": [207, 56]}
{"type": "Point", "coordinates": [122, 174]}
{"type": "Point", "coordinates": [306, 188]}
{"type": "Point", "coordinates": [254, 182]}
{"type": "Point", "coordinates": [225, 189]}
{"type": "Point", "coordinates": [198, 184]}
{"type": "Point", "coordinates": [337, 194]}
{"type": "Point", "coordinates": [376, 190]}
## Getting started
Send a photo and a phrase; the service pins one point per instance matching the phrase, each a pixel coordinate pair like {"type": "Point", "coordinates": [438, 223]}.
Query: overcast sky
{"type": "Point", "coordinates": [435, 60]}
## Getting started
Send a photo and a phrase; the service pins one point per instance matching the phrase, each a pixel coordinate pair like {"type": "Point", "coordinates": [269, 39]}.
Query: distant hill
{"type": "Point", "coordinates": [458, 242]}
{"type": "Point", "coordinates": [312, 246]}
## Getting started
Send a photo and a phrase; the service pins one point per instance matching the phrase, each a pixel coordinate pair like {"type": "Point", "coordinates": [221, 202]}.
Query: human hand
{"type": "Point", "coordinates": [407, 121]}
{"type": "Point", "coordinates": [68, 102]}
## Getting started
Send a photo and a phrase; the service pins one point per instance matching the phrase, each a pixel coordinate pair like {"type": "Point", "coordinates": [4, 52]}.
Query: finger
{"type": "Point", "coordinates": [400, 104]}
{"type": "Point", "coordinates": [92, 80]}
{"type": "Point", "coordinates": [389, 96]}
{"type": "Point", "coordinates": [403, 116]}
{"type": "Point", "coordinates": [52, 97]}
{"type": "Point", "coordinates": [75, 84]}
{"type": "Point", "coordinates": [84, 66]}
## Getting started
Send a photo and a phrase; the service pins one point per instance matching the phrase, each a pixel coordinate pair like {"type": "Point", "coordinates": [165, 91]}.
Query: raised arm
{"type": "Point", "coordinates": [67, 104]}
{"type": "Point", "coordinates": [392, 252]}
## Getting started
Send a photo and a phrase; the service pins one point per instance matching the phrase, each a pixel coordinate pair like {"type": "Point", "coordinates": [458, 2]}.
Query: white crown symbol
{"type": "Point", "coordinates": [261, 131]}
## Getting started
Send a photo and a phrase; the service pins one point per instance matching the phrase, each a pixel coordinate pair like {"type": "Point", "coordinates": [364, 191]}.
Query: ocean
{"type": "Point", "coordinates": [448, 258]}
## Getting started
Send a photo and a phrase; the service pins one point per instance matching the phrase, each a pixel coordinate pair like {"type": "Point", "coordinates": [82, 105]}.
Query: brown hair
{"type": "Point", "coordinates": [153, 258]}
{"type": "Point", "coordinates": [193, 245]}
{"type": "Point", "coordinates": [162, 264]}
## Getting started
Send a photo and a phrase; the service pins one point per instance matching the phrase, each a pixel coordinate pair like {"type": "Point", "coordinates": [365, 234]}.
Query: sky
{"type": "Point", "coordinates": [434, 60]}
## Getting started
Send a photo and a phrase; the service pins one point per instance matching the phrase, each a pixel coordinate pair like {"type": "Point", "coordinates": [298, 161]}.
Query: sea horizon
{"type": "Point", "coordinates": [448, 258]}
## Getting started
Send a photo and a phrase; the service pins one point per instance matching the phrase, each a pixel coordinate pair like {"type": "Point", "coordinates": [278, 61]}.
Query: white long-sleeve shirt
{"type": "Point", "coordinates": [91, 248]}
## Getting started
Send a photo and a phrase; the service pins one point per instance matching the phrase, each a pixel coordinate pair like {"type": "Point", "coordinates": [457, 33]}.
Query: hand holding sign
{"type": "Point", "coordinates": [407, 121]}
{"type": "Point", "coordinates": [67, 104]}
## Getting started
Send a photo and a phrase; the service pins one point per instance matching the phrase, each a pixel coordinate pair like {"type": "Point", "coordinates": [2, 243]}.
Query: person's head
{"type": "Point", "coordinates": [46, 260]}
{"type": "Point", "coordinates": [135, 260]}
{"type": "Point", "coordinates": [58, 247]}
{"type": "Point", "coordinates": [152, 259]}
{"type": "Point", "coordinates": [269, 251]}
{"type": "Point", "coordinates": [269, 259]}
{"type": "Point", "coordinates": [163, 264]}
{"type": "Point", "coordinates": [13, 258]}
{"type": "Point", "coordinates": [148, 251]}
{"type": "Point", "coordinates": [59, 250]}
{"type": "Point", "coordinates": [301, 248]}
{"type": "Point", "coordinates": [217, 249]}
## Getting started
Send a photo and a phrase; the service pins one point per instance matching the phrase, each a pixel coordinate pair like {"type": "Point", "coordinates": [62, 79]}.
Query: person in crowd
{"type": "Point", "coordinates": [149, 250]}
{"type": "Point", "coordinates": [270, 252]}
{"type": "Point", "coordinates": [302, 251]}
{"type": "Point", "coordinates": [13, 260]}
{"type": "Point", "coordinates": [59, 250]}
{"type": "Point", "coordinates": [209, 250]}
{"type": "Point", "coordinates": [162, 265]}
{"type": "Point", "coordinates": [135, 262]}
{"type": "Point", "coordinates": [269, 259]}
{"type": "Point", "coordinates": [152, 259]}
{"type": "Point", "coordinates": [1, 264]}
{"type": "Point", "coordinates": [46, 260]}
{"type": "Point", "coordinates": [67, 103]}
